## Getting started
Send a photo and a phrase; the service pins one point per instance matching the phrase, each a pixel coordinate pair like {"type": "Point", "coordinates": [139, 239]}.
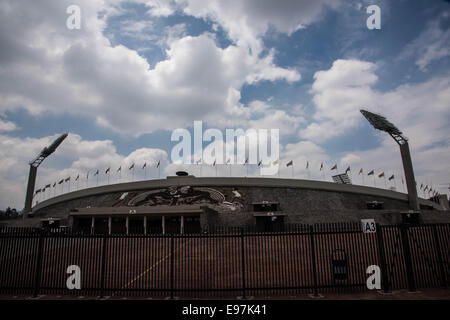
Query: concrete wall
{"type": "Point", "coordinates": [303, 201]}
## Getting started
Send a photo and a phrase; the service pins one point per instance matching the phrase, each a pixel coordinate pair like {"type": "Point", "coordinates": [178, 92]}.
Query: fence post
{"type": "Point", "coordinates": [407, 256]}
{"type": "Point", "coordinates": [37, 280]}
{"type": "Point", "coordinates": [313, 260]}
{"type": "Point", "coordinates": [102, 276]}
{"type": "Point", "coordinates": [382, 258]}
{"type": "Point", "coordinates": [171, 264]}
{"type": "Point", "coordinates": [439, 255]}
{"type": "Point", "coordinates": [243, 264]}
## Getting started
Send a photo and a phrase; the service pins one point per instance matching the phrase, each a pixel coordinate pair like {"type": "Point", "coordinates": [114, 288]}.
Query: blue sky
{"type": "Point", "coordinates": [138, 69]}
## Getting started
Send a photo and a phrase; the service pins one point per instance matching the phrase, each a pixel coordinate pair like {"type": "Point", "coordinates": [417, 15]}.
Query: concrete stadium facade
{"type": "Point", "coordinates": [183, 203]}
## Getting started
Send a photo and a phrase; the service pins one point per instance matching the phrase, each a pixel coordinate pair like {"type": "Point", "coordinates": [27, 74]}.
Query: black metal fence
{"type": "Point", "coordinates": [226, 263]}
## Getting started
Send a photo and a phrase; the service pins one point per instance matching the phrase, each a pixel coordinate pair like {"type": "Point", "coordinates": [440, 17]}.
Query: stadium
{"type": "Point", "coordinates": [180, 204]}
{"type": "Point", "coordinates": [190, 236]}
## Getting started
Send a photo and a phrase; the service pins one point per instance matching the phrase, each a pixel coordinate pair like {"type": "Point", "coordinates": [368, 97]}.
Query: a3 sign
{"type": "Point", "coordinates": [368, 225]}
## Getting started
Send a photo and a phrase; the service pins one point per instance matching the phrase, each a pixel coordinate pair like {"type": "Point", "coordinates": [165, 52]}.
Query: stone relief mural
{"type": "Point", "coordinates": [184, 195]}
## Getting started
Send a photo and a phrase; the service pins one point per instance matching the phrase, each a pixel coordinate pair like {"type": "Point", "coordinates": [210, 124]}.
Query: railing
{"type": "Point", "coordinates": [228, 262]}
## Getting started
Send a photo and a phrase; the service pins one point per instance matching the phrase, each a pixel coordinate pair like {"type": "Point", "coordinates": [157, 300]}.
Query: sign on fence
{"type": "Point", "coordinates": [368, 225]}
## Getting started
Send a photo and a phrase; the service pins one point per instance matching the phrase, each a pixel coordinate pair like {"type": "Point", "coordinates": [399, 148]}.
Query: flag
{"type": "Point", "coordinates": [48, 186]}
{"type": "Point", "coordinates": [62, 180]}
{"type": "Point", "coordinates": [214, 162]}
{"type": "Point", "coordinates": [321, 166]}
{"type": "Point", "coordinates": [334, 167]}
{"type": "Point", "coordinates": [347, 170]}
{"type": "Point", "coordinates": [391, 177]}
{"type": "Point", "coordinates": [145, 164]}
{"type": "Point", "coordinates": [37, 191]}
{"type": "Point", "coordinates": [131, 167]}
{"type": "Point", "coordinates": [246, 161]}
{"type": "Point", "coordinates": [54, 185]}
{"type": "Point", "coordinates": [107, 170]}
{"type": "Point", "coordinates": [78, 177]}
{"type": "Point", "coordinates": [307, 164]}
{"type": "Point", "coordinates": [96, 173]}
{"type": "Point", "coordinates": [371, 173]}
{"type": "Point", "coordinates": [228, 161]}
{"type": "Point", "coordinates": [120, 169]}
{"type": "Point", "coordinates": [290, 163]}
{"type": "Point", "coordinates": [421, 186]}
{"type": "Point", "coordinates": [381, 175]}
{"type": "Point", "coordinates": [43, 190]}
{"type": "Point", "coordinates": [259, 163]}
{"type": "Point", "coordinates": [360, 171]}
{"type": "Point", "coordinates": [159, 162]}
{"type": "Point", "coordinates": [67, 179]}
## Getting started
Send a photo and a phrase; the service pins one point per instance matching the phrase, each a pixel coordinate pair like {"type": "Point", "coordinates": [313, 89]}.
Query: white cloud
{"type": "Point", "coordinates": [431, 44]}
{"type": "Point", "coordinates": [303, 153]}
{"type": "Point", "coordinates": [7, 126]}
{"type": "Point", "coordinates": [339, 94]}
{"type": "Point", "coordinates": [79, 72]}
{"type": "Point", "coordinates": [246, 21]}
{"type": "Point", "coordinates": [420, 110]}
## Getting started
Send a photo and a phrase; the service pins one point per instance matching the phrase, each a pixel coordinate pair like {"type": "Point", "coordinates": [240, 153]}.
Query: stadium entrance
{"type": "Point", "coordinates": [137, 220]}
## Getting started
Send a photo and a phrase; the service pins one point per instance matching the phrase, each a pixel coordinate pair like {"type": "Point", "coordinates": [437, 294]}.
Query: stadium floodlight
{"type": "Point", "coordinates": [34, 164]}
{"type": "Point", "coordinates": [381, 123]}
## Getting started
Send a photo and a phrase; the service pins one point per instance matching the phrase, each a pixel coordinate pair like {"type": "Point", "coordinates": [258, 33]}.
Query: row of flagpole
{"type": "Point", "coordinates": [200, 164]}
{"type": "Point", "coordinates": [96, 174]}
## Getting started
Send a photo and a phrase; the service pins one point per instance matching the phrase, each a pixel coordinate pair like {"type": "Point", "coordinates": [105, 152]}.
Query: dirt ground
{"type": "Point", "coordinates": [426, 294]}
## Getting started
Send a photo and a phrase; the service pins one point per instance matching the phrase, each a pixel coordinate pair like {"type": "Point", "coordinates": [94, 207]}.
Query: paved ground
{"type": "Point", "coordinates": [429, 294]}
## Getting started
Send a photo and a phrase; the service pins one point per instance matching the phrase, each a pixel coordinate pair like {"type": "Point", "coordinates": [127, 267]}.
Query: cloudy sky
{"type": "Point", "coordinates": [138, 69]}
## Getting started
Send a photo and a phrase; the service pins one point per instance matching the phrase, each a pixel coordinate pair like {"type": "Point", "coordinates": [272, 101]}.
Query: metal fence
{"type": "Point", "coordinates": [226, 263]}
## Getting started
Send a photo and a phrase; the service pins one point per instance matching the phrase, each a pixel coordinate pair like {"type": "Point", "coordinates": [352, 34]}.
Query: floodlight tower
{"type": "Point", "coordinates": [34, 164]}
{"type": "Point", "coordinates": [381, 123]}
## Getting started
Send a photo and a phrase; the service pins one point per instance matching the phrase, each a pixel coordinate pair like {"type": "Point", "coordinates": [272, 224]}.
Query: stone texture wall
{"type": "Point", "coordinates": [300, 205]}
